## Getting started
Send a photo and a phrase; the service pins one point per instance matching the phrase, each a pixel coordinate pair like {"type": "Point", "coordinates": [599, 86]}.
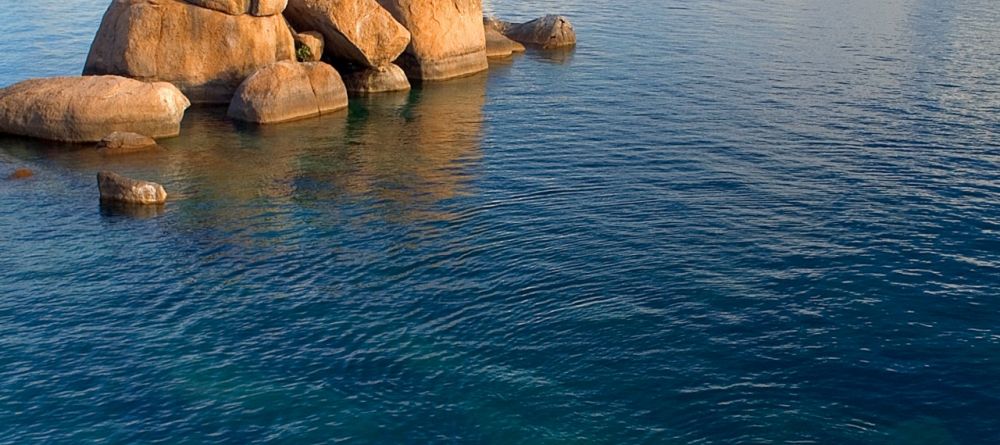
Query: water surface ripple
{"type": "Point", "coordinates": [760, 222]}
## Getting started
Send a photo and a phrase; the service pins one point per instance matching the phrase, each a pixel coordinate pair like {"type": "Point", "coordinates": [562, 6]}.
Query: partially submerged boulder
{"type": "Point", "coordinates": [358, 31]}
{"type": "Point", "coordinates": [117, 188]}
{"type": "Point", "coordinates": [259, 8]}
{"type": "Point", "coordinates": [551, 31]}
{"type": "Point", "coordinates": [498, 45]}
{"type": "Point", "coordinates": [447, 37]}
{"type": "Point", "coordinates": [309, 46]}
{"type": "Point", "coordinates": [21, 173]}
{"type": "Point", "coordinates": [374, 80]}
{"type": "Point", "coordinates": [287, 91]}
{"type": "Point", "coordinates": [85, 109]}
{"type": "Point", "coordinates": [123, 142]}
{"type": "Point", "coordinates": [204, 52]}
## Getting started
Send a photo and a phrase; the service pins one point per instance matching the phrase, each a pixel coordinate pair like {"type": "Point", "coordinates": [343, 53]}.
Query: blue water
{"type": "Point", "coordinates": [739, 222]}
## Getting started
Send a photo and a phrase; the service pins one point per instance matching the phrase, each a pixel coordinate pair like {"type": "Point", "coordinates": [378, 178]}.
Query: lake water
{"type": "Point", "coordinates": [714, 222]}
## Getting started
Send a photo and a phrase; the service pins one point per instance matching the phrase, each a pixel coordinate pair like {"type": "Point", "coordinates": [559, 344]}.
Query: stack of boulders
{"type": "Point", "coordinates": [270, 60]}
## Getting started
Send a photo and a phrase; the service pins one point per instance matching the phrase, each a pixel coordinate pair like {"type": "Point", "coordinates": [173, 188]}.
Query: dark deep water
{"type": "Point", "coordinates": [714, 222]}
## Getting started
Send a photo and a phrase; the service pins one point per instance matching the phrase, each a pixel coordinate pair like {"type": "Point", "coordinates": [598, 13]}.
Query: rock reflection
{"type": "Point", "coordinates": [138, 211]}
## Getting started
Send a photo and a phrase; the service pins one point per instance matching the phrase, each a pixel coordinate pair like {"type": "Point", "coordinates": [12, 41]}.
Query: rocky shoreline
{"type": "Point", "coordinates": [270, 60]}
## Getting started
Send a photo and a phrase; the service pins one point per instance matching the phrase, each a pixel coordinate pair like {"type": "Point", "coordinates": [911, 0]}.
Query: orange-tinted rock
{"type": "Point", "coordinates": [205, 53]}
{"type": "Point", "coordinates": [447, 37]}
{"type": "Point", "coordinates": [117, 188]}
{"type": "Point", "coordinates": [313, 42]}
{"type": "Point", "coordinates": [551, 31]}
{"type": "Point", "coordinates": [359, 31]}
{"type": "Point", "coordinates": [374, 80]}
{"type": "Point", "coordinates": [123, 142]}
{"type": "Point", "coordinates": [260, 8]}
{"type": "Point", "coordinates": [85, 109]}
{"type": "Point", "coordinates": [287, 91]}
{"type": "Point", "coordinates": [22, 173]}
{"type": "Point", "coordinates": [498, 45]}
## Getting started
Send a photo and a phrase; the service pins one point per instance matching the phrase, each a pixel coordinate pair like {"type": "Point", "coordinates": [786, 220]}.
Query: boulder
{"type": "Point", "coordinates": [259, 8]}
{"type": "Point", "coordinates": [313, 42]}
{"type": "Point", "coordinates": [447, 37]}
{"type": "Point", "coordinates": [358, 31]}
{"type": "Point", "coordinates": [117, 188]}
{"type": "Point", "coordinates": [85, 109]}
{"type": "Point", "coordinates": [551, 31]}
{"type": "Point", "coordinates": [287, 91]}
{"type": "Point", "coordinates": [21, 173]}
{"type": "Point", "coordinates": [375, 80]}
{"type": "Point", "coordinates": [498, 45]}
{"type": "Point", "coordinates": [206, 53]}
{"type": "Point", "coordinates": [123, 142]}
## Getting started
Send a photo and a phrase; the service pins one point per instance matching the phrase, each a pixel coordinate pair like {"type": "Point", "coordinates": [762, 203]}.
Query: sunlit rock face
{"type": "Point", "coordinates": [260, 8]}
{"type": "Point", "coordinates": [374, 80]}
{"type": "Point", "coordinates": [288, 91]}
{"type": "Point", "coordinates": [358, 31]}
{"type": "Point", "coordinates": [447, 37]}
{"type": "Point", "coordinates": [204, 52]}
{"type": "Point", "coordinates": [85, 109]}
{"type": "Point", "coordinates": [117, 188]}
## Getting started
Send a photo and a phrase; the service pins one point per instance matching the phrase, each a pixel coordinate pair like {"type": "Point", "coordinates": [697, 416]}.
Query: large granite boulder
{"type": "Point", "coordinates": [551, 31]}
{"type": "Point", "coordinates": [358, 31]}
{"type": "Point", "coordinates": [287, 91]}
{"type": "Point", "coordinates": [117, 188]}
{"type": "Point", "coordinates": [376, 80]}
{"type": "Point", "coordinates": [205, 53]}
{"type": "Point", "coordinates": [447, 37]}
{"type": "Point", "coordinates": [498, 45]}
{"type": "Point", "coordinates": [85, 109]}
{"type": "Point", "coordinates": [259, 8]}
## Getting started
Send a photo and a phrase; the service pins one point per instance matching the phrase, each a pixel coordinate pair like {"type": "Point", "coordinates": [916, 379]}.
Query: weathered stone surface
{"type": "Point", "coordinates": [498, 45]}
{"type": "Point", "coordinates": [21, 173]}
{"type": "Point", "coordinates": [123, 142]}
{"type": "Point", "coordinates": [117, 188]}
{"type": "Point", "coordinates": [551, 31]}
{"type": "Point", "coordinates": [206, 53]}
{"type": "Point", "coordinates": [373, 80]}
{"type": "Point", "coordinates": [359, 31]}
{"type": "Point", "coordinates": [447, 37]}
{"type": "Point", "coordinates": [85, 109]}
{"type": "Point", "coordinates": [260, 8]}
{"type": "Point", "coordinates": [312, 40]}
{"type": "Point", "coordinates": [287, 91]}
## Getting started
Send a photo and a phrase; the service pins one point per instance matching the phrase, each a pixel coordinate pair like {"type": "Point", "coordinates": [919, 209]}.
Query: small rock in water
{"type": "Point", "coordinates": [551, 31]}
{"type": "Point", "coordinates": [117, 188]}
{"type": "Point", "coordinates": [121, 142]}
{"type": "Point", "coordinates": [498, 45]}
{"type": "Point", "coordinates": [22, 173]}
{"type": "Point", "coordinates": [377, 80]}
{"type": "Point", "coordinates": [289, 90]}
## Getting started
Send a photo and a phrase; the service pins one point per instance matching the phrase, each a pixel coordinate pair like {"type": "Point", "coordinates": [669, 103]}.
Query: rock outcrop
{"type": "Point", "coordinates": [117, 188]}
{"type": "Point", "coordinates": [312, 42]}
{"type": "Point", "coordinates": [498, 45]}
{"type": "Point", "coordinates": [551, 31]}
{"type": "Point", "coordinates": [287, 91]}
{"type": "Point", "coordinates": [204, 52]}
{"type": "Point", "coordinates": [447, 37]}
{"type": "Point", "coordinates": [374, 80]}
{"type": "Point", "coordinates": [358, 31]}
{"type": "Point", "coordinates": [123, 142]}
{"type": "Point", "coordinates": [85, 109]}
{"type": "Point", "coordinates": [259, 8]}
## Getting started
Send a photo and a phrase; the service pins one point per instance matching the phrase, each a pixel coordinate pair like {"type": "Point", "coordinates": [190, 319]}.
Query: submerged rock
{"type": "Point", "coordinates": [358, 31]}
{"type": "Point", "coordinates": [498, 45]}
{"type": "Point", "coordinates": [447, 37]}
{"type": "Point", "coordinates": [204, 52]}
{"type": "Point", "coordinates": [374, 80]}
{"type": "Point", "coordinates": [287, 91]}
{"type": "Point", "coordinates": [122, 142]}
{"type": "Point", "coordinates": [117, 188]}
{"type": "Point", "coordinates": [21, 173]}
{"type": "Point", "coordinates": [85, 109]}
{"type": "Point", "coordinates": [259, 8]}
{"type": "Point", "coordinates": [309, 46]}
{"type": "Point", "coordinates": [551, 31]}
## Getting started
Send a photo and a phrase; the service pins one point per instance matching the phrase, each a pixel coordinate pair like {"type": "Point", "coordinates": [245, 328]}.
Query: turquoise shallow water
{"type": "Point", "coordinates": [713, 222]}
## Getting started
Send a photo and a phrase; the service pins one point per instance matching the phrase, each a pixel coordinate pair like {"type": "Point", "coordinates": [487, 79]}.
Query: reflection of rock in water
{"type": "Point", "coordinates": [139, 211]}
